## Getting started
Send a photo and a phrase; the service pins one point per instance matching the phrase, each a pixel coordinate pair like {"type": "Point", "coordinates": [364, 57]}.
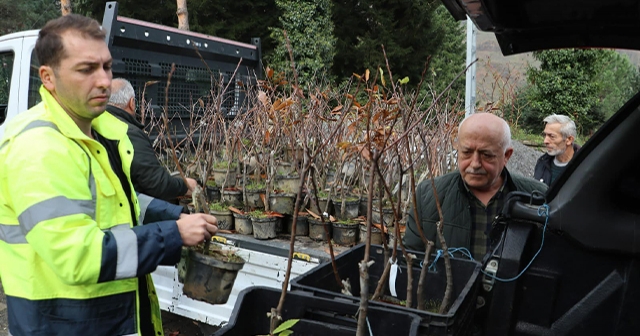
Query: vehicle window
{"type": "Point", "coordinates": [6, 69]}
{"type": "Point", "coordinates": [34, 81]}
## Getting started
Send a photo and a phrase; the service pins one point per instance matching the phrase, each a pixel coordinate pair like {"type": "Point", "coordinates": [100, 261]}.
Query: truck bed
{"type": "Point", "coordinates": [266, 264]}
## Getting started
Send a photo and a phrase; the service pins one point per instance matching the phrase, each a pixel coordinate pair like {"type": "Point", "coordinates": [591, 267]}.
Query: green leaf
{"type": "Point", "coordinates": [285, 333]}
{"type": "Point", "coordinates": [405, 80]}
{"type": "Point", "coordinates": [382, 77]}
{"type": "Point", "coordinates": [285, 326]}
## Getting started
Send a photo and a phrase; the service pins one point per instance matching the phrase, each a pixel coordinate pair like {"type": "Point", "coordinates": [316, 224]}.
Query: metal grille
{"type": "Point", "coordinates": [136, 67]}
{"type": "Point", "coordinates": [188, 83]}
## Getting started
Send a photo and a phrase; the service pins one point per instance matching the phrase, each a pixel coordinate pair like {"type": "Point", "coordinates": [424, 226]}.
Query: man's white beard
{"type": "Point", "coordinates": [556, 152]}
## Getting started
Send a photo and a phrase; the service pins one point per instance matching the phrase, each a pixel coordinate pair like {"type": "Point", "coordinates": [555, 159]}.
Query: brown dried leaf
{"type": "Point", "coordinates": [366, 75]}
{"type": "Point", "coordinates": [264, 99]}
{"type": "Point", "coordinates": [313, 214]}
{"type": "Point", "coordinates": [366, 154]}
{"type": "Point", "coordinates": [343, 144]}
{"type": "Point", "coordinates": [236, 210]}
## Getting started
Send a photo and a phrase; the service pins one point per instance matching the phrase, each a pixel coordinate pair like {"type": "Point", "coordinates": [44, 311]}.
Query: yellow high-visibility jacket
{"type": "Point", "coordinates": [71, 253]}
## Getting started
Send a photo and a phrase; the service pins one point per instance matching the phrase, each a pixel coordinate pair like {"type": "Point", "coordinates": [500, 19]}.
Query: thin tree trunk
{"type": "Point", "coordinates": [183, 15]}
{"type": "Point", "coordinates": [364, 264]}
{"type": "Point", "coordinates": [65, 7]}
{"type": "Point", "coordinates": [277, 317]}
{"type": "Point", "coordinates": [423, 276]}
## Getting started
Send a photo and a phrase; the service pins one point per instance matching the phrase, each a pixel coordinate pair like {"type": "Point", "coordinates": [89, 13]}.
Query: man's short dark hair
{"type": "Point", "coordinates": [49, 47]}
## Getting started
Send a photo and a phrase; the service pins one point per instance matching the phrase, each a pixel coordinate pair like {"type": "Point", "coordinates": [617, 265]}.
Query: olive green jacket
{"type": "Point", "coordinates": [455, 209]}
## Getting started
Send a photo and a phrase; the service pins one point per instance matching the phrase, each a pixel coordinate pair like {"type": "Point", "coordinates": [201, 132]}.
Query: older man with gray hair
{"type": "Point", "coordinates": [559, 136]}
{"type": "Point", "coordinates": [147, 175]}
{"type": "Point", "coordinates": [472, 196]}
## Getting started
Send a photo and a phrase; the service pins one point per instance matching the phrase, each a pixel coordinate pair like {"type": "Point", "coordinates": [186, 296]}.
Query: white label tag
{"type": "Point", "coordinates": [392, 277]}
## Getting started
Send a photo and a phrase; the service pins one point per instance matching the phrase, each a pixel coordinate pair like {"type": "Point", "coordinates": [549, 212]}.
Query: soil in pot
{"type": "Point", "coordinates": [351, 207]}
{"type": "Point", "coordinates": [232, 197]}
{"type": "Point", "coordinates": [264, 227]}
{"type": "Point", "coordinates": [376, 235]}
{"type": "Point", "coordinates": [317, 229]}
{"type": "Point", "coordinates": [345, 232]}
{"type": "Point", "coordinates": [243, 224]}
{"type": "Point", "coordinates": [282, 203]}
{"type": "Point", "coordinates": [302, 226]}
{"type": "Point", "coordinates": [210, 278]}
{"type": "Point", "coordinates": [223, 215]}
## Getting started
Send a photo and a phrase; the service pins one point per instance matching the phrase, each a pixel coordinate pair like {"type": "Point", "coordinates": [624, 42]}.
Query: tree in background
{"type": "Point", "coordinates": [410, 31]}
{"type": "Point", "coordinates": [450, 56]}
{"type": "Point", "coordinates": [65, 7]}
{"type": "Point", "coordinates": [310, 31]}
{"type": "Point", "coordinates": [24, 15]}
{"type": "Point", "coordinates": [619, 81]}
{"type": "Point", "coordinates": [183, 15]}
{"type": "Point", "coordinates": [587, 84]}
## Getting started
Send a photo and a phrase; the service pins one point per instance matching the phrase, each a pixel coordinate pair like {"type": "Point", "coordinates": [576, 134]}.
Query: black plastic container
{"type": "Point", "coordinates": [458, 321]}
{"type": "Point", "coordinates": [318, 316]}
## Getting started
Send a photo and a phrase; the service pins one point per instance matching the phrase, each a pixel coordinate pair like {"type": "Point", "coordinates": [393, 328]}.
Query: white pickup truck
{"type": "Point", "coordinates": [144, 52]}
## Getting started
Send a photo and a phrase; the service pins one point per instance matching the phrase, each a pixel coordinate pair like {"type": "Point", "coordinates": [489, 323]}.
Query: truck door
{"type": "Point", "coordinates": [10, 51]}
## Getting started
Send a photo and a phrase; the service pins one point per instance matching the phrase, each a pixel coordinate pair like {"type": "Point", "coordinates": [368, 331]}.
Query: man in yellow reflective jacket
{"type": "Point", "coordinates": [76, 242]}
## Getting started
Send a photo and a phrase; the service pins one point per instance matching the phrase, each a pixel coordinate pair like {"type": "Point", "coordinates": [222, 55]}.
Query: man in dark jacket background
{"type": "Point", "coordinates": [147, 174]}
{"type": "Point", "coordinates": [472, 196]}
{"type": "Point", "coordinates": [559, 136]}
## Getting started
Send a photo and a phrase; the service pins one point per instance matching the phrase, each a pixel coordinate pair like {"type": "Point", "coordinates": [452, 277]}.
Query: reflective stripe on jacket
{"type": "Point", "coordinates": [67, 241]}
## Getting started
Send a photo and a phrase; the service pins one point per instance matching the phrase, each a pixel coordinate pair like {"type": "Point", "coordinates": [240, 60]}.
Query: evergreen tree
{"type": "Point", "coordinates": [310, 31]}
{"type": "Point", "coordinates": [587, 84]}
{"type": "Point", "coordinates": [408, 30]}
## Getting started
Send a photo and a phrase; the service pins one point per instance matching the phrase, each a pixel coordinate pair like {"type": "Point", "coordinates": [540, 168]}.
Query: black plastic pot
{"type": "Point", "coordinates": [213, 194]}
{"type": "Point", "coordinates": [264, 228]}
{"type": "Point", "coordinates": [317, 229]}
{"type": "Point", "coordinates": [345, 234]}
{"type": "Point", "coordinates": [302, 226]}
{"type": "Point", "coordinates": [224, 218]}
{"type": "Point", "coordinates": [350, 211]}
{"type": "Point", "coordinates": [210, 278]}
{"type": "Point", "coordinates": [376, 235]}
{"type": "Point", "coordinates": [243, 224]}
{"type": "Point", "coordinates": [457, 321]}
{"type": "Point", "coordinates": [318, 316]}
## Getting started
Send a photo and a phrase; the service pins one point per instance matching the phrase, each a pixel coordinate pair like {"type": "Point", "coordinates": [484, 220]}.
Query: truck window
{"type": "Point", "coordinates": [34, 81]}
{"type": "Point", "coordinates": [6, 69]}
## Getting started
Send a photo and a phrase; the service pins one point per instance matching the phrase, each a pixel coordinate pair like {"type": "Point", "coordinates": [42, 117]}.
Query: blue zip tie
{"type": "Point", "coordinates": [463, 250]}
{"type": "Point", "coordinates": [543, 210]}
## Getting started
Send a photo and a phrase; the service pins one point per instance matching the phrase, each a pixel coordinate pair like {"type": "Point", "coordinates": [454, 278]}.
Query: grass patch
{"type": "Point", "coordinates": [255, 186]}
{"type": "Point", "coordinates": [218, 206]}
{"type": "Point", "coordinates": [225, 165]}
